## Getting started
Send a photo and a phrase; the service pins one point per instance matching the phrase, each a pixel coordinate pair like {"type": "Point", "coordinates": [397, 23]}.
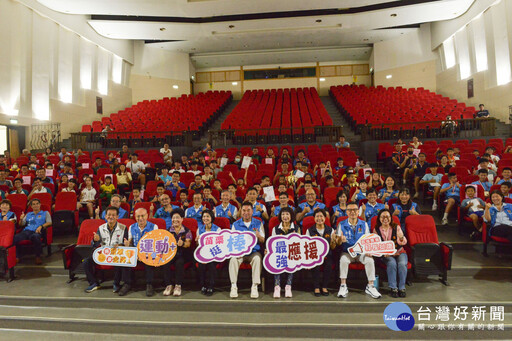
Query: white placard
{"type": "Point", "coordinates": [27, 180]}
{"type": "Point", "coordinates": [434, 184]}
{"type": "Point", "coordinates": [268, 161]}
{"type": "Point", "coordinates": [246, 162]}
{"type": "Point", "coordinates": [118, 159]}
{"type": "Point", "coordinates": [416, 152]}
{"type": "Point", "coordinates": [49, 172]}
{"type": "Point", "coordinates": [299, 174]}
{"type": "Point", "coordinates": [85, 165]}
{"type": "Point", "coordinates": [69, 176]}
{"type": "Point", "coordinates": [223, 162]}
{"type": "Point", "coordinates": [474, 205]}
{"type": "Point", "coordinates": [490, 177]}
{"type": "Point", "coordinates": [270, 194]}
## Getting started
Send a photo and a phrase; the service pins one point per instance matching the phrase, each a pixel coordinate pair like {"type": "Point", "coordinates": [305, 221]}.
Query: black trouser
{"type": "Point", "coordinates": [128, 274]}
{"type": "Point", "coordinates": [122, 189]}
{"type": "Point", "coordinates": [174, 277]}
{"type": "Point", "coordinates": [504, 231]}
{"type": "Point", "coordinates": [89, 268]}
{"type": "Point", "coordinates": [317, 273]}
{"type": "Point", "coordinates": [207, 274]}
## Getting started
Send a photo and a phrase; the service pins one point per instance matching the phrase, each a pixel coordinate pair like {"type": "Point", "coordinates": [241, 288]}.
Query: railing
{"type": "Point", "coordinates": [428, 129]}
{"type": "Point", "coordinates": [219, 138]}
{"type": "Point", "coordinates": [133, 139]}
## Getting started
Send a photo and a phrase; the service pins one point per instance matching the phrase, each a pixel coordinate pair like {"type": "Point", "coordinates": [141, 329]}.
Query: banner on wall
{"type": "Point", "coordinates": [157, 248]}
{"type": "Point", "coordinates": [216, 247]}
{"type": "Point", "coordinates": [294, 252]}
{"type": "Point", "coordinates": [116, 256]}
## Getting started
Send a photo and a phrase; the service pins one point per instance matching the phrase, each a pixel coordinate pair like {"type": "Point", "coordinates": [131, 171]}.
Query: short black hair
{"type": "Point", "coordinates": [112, 208]}
{"type": "Point", "coordinates": [178, 211]}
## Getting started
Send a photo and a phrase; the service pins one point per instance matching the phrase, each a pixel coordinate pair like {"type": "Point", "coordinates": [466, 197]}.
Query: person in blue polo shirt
{"type": "Point", "coordinates": [115, 201]}
{"type": "Point", "coordinates": [259, 210]}
{"type": "Point", "coordinates": [247, 223]}
{"type": "Point", "coordinates": [498, 216]}
{"type": "Point", "coordinates": [372, 207]}
{"type": "Point", "coordinates": [226, 209]}
{"type": "Point", "coordinates": [197, 209]}
{"type": "Point", "coordinates": [283, 202]}
{"type": "Point", "coordinates": [165, 210]}
{"type": "Point", "coordinates": [207, 271]}
{"type": "Point", "coordinates": [35, 222]}
{"type": "Point", "coordinates": [348, 233]}
{"type": "Point", "coordinates": [452, 192]}
{"type": "Point", "coordinates": [405, 207]}
{"type": "Point", "coordinates": [308, 207]}
{"type": "Point", "coordinates": [483, 181]}
{"type": "Point", "coordinates": [135, 233]}
{"type": "Point", "coordinates": [175, 184]}
{"type": "Point", "coordinates": [5, 211]}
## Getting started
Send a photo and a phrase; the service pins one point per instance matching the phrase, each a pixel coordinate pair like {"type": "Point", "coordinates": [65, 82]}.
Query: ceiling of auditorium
{"type": "Point", "coordinates": [245, 32]}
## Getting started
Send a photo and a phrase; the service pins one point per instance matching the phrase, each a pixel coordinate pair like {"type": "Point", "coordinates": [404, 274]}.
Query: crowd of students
{"type": "Point", "coordinates": [204, 186]}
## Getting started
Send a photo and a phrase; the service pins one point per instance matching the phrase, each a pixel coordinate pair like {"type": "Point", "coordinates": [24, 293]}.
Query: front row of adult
{"type": "Point", "coordinates": [348, 233]}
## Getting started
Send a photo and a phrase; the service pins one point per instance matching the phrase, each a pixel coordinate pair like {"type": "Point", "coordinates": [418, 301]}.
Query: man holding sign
{"type": "Point", "coordinates": [135, 233]}
{"type": "Point", "coordinates": [110, 234]}
{"type": "Point", "coordinates": [247, 224]}
{"type": "Point", "coordinates": [349, 231]}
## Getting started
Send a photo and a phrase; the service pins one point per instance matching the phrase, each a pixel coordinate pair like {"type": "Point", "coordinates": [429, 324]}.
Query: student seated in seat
{"type": "Point", "coordinates": [18, 187]}
{"type": "Point", "coordinates": [87, 198]}
{"type": "Point", "coordinates": [433, 179]}
{"type": "Point", "coordinates": [473, 207]}
{"type": "Point", "coordinates": [452, 192]}
{"type": "Point", "coordinates": [483, 181]}
{"type": "Point", "coordinates": [115, 201]}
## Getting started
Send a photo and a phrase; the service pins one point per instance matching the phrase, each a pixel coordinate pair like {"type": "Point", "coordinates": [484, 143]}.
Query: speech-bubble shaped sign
{"type": "Point", "coordinates": [293, 252]}
{"type": "Point", "coordinates": [216, 247]}
{"type": "Point", "coordinates": [116, 256]}
{"type": "Point", "coordinates": [371, 244]}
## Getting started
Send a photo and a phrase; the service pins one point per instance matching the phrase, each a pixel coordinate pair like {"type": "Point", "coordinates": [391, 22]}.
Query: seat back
{"type": "Point", "coordinates": [45, 198]}
{"type": "Point", "coordinates": [421, 229]}
{"type": "Point", "coordinates": [87, 230]}
{"type": "Point", "coordinates": [65, 201]}
{"type": "Point", "coordinates": [158, 222]}
{"type": "Point", "coordinates": [18, 200]}
{"type": "Point", "coordinates": [6, 233]}
{"type": "Point", "coordinates": [222, 222]}
{"type": "Point", "coordinates": [330, 194]}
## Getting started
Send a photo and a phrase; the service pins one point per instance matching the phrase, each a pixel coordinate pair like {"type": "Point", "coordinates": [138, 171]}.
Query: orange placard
{"type": "Point", "coordinates": [157, 248]}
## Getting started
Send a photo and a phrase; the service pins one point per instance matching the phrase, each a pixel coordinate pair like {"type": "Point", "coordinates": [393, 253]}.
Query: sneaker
{"type": "Point", "coordinates": [402, 293]}
{"type": "Point", "coordinates": [168, 290]}
{"type": "Point", "coordinates": [149, 290]}
{"type": "Point", "coordinates": [394, 293]}
{"type": "Point", "coordinates": [204, 290]}
{"type": "Point", "coordinates": [254, 291]}
{"type": "Point", "coordinates": [434, 206]}
{"type": "Point", "coordinates": [209, 291]}
{"type": "Point", "coordinates": [116, 287]}
{"type": "Point", "coordinates": [124, 290]}
{"type": "Point", "coordinates": [288, 291]}
{"type": "Point", "coordinates": [92, 287]}
{"type": "Point", "coordinates": [234, 292]}
{"type": "Point", "coordinates": [444, 221]}
{"type": "Point", "coordinates": [343, 292]}
{"type": "Point", "coordinates": [177, 290]}
{"type": "Point", "coordinates": [475, 235]}
{"type": "Point", "coordinates": [277, 291]}
{"type": "Point", "coordinates": [372, 291]}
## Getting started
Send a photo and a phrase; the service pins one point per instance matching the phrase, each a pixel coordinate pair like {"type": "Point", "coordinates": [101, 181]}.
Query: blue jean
{"type": "Point", "coordinates": [289, 279]}
{"type": "Point", "coordinates": [34, 237]}
{"type": "Point", "coordinates": [392, 263]}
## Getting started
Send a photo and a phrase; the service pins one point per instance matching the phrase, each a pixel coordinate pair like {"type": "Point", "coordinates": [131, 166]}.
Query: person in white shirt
{"type": "Point", "coordinates": [38, 188]}
{"type": "Point", "coordinates": [137, 168]}
{"type": "Point", "coordinates": [166, 153]}
{"type": "Point", "coordinates": [87, 197]}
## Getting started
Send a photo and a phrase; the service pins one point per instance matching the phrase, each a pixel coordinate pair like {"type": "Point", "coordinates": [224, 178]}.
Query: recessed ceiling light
{"type": "Point", "coordinates": [231, 26]}
{"type": "Point", "coordinates": [389, 76]}
{"type": "Point", "coordinates": [13, 121]}
{"type": "Point", "coordinates": [175, 86]}
{"type": "Point", "coordinates": [393, 14]}
{"type": "Point", "coordinates": [322, 79]}
{"type": "Point", "coordinates": [162, 29]}
{"type": "Point", "coordinates": [234, 83]}
{"type": "Point", "coordinates": [318, 20]}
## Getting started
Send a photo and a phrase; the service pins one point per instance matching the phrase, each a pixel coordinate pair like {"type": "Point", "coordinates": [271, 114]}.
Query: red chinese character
{"type": "Point", "coordinates": [310, 250]}
{"type": "Point", "coordinates": [294, 251]}
{"type": "Point", "coordinates": [219, 240]}
{"type": "Point", "coordinates": [208, 241]}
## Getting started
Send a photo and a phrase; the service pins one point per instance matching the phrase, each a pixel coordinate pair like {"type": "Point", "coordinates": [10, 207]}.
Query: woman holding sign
{"type": "Point", "coordinates": [388, 230]}
{"type": "Point", "coordinates": [207, 225]}
{"type": "Point", "coordinates": [326, 232]}
{"type": "Point", "coordinates": [183, 238]}
{"type": "Point", "coordinates": [286, 219]}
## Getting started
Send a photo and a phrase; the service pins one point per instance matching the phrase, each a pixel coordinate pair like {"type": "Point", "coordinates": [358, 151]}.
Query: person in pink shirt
{"type": "Point", "coordinates": [397, 263]}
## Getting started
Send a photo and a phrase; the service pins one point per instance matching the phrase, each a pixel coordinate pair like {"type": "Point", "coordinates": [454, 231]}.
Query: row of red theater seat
{"type": "Point", "coordinates": [189, 112]}
{"type": "Point", "coordinates": [286, 108]}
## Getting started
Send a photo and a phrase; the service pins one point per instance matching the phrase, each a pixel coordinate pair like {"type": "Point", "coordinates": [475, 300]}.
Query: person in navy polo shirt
{"type": "Point", "coordinates": [247, 224]}
{"type": "Point", "coordinates": [195, 211]}
{"type": "Point", "coordinates": [348, 233]}
{"type": "Point", "coordinates": [308, 207]}
{"type": "Point", "coordinates": [135, 233]}
{"type": "Point", "coordinates": [111, 234]}
{"type": "Point", "coordinates": [165, 210]}
{"type": "Point", "coordinates": [226, 209]}
{"type": "Point", "coordinates": [115, 201]}
{"type": "Point", "coordinates": [35, 222]}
